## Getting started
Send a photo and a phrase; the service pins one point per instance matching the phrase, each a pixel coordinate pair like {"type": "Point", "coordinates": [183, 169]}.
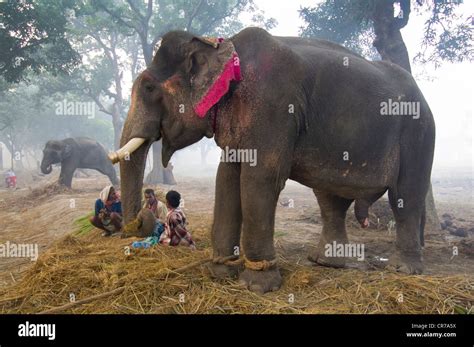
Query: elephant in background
{"type": "Point", "coordinates": [313, 111]}
{"type": "Point", "coordinates": [76, 153]}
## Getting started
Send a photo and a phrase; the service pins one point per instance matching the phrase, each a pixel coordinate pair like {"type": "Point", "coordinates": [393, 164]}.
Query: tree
{"type": "Point", "coordinates": [448, 36]}
{"type": "Point", "coordinates": [28, 118]}
{"type": "Point", "coordinates": [105, 45]}
{"type": "Point", "coordinates": [33, 38]}
{"type": "Point", "coordinates": [150, 20]}
{"type": "Point", "coordinates": [367, 24]}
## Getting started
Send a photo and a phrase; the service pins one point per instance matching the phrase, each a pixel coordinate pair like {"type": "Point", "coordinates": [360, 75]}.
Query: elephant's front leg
{"type": "Point", "coordinates": [227, 222]}
{"type": "Point", "coordinates": [260, 191]}
{"type": "Point", "coordinates": [66, 174]}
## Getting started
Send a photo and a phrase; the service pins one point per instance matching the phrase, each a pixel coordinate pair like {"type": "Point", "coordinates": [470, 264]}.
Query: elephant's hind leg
{"type": "Point", "coordinates": [408, 206]}
{"type": "Point", "coordinates": [227, 222]}
{"type": "Point", "coordinates": [110, 173]}
{"type": "Point", "coordinates": [407, 199]}
{"type": "Point", "coordinates": [333, 213]}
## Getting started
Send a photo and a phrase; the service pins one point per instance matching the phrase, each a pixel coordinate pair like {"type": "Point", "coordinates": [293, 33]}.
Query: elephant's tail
{"type": "Point", "coordinates": [422, 227]}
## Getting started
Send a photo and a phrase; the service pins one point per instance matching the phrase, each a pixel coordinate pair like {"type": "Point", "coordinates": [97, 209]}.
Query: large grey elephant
{"type": "Point", "coordinates": [314, 112]}
{"type": "Point", "coordinates": [75, 153]}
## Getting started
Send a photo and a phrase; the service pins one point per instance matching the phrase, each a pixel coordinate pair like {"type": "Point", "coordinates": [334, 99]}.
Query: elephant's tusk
{"type": "Point", "coordinates": [130, 147]}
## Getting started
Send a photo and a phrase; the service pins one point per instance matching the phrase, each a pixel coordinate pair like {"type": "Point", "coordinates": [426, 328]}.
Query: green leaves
{"type": "Point", "coordinates": [32, 38]}
{"type": "Point", "coordinates": [448, 33]}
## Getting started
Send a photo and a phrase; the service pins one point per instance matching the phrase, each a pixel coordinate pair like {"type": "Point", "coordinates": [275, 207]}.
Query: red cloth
{"type": "Point", "coordinates": [220, 87]}
{"type": "Point", "coordinates": [11, 182]}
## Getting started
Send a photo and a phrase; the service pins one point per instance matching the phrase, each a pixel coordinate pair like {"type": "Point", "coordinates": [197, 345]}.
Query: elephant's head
{"type": "Point", "coordinates": [54, 152]}
{"type": "Point", "coordinates": [170, 101]}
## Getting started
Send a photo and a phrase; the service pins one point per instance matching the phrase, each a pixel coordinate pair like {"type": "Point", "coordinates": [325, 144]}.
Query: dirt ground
{"type": "Point", "coordinates": [35, 213]}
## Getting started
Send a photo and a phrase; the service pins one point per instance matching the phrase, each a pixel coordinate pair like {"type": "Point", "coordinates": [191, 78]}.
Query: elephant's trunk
{"type": "Point", "coordinates": [46, 169]}
{"type": "Point", "coordinates": [131, 180]}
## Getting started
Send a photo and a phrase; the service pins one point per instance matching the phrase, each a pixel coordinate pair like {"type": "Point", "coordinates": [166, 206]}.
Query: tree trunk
{"type": "Point", "coordinates": [204, 150]}
{"type": "Point", "coordinates": [117, 124]}
{"type": "Point", "coordinates": [155, 176]}
{"type": "Point", "coordinates": [432, 219]}
{"type": "Point", "coordinates": [390, 45]}
{"type": "Point", "coordinates": [158, 174]}
{"type": "Point", "coordinates": [1, 156]}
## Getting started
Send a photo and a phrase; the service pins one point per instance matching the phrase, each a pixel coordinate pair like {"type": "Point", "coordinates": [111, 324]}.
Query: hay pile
{"type": "Point", "coordinates": [159, 280]}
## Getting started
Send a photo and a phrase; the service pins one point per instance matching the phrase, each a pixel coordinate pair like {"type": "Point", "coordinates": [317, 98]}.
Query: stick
{"type": "Point", "coordinates": [83, 301]}
{"type": "Point", "coordinates": [120, 289]}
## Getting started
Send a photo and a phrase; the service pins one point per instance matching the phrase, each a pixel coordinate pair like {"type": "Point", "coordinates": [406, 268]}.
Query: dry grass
{"type": "Point", "coordinates": [90, 265]}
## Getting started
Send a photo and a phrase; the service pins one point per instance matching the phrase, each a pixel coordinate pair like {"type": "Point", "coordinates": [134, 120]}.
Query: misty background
{"type": "Point", "coordinates": [111, 53]}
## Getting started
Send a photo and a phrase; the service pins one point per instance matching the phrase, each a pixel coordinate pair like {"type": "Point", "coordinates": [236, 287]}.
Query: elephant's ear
{"type": "Point", "coordinates": [211, 64]}
{"type": "Point", "coordinates": [67, 151]}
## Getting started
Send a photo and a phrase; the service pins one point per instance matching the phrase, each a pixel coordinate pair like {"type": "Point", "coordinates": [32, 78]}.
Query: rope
{"type": "Point", "coordinates": [262, 265]}
{"type": "Point", "coordinates": [230, 260]}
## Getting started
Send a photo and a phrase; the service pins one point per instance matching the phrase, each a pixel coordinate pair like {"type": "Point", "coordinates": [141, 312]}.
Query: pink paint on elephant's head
{"type": "Point", "coordinates": [172, 98]}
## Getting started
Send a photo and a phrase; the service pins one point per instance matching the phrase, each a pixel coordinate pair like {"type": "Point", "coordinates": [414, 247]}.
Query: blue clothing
{"type": "Point", "coordinates": [159, 228]}
{"type": "Point", "coordinates": [152, 240]}
{"type": "Point", "coordinates": [115, 207]}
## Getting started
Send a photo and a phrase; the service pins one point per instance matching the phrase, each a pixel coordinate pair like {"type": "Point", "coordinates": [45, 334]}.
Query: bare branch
{"type": "Point", "coordinates": [119, 19]}
{"type": "Point", "coordinates": [193, 15]}
{"type": "Point", "coordinates": [135, 9]}
{"type": "Point", "coordinates": [110, 94]}
{"type": "Point", "coordinates": [99, 103]}
{"type": "Point", "coordinates": [149, 11]}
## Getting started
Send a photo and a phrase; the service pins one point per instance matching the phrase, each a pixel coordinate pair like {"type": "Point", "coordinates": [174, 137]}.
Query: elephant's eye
{"type": "Point", "coordinates": [149, 88]}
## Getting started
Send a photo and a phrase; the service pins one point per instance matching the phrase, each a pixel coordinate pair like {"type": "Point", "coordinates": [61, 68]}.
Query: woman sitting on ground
{"type": "Point", "coordinates": [108, 212]}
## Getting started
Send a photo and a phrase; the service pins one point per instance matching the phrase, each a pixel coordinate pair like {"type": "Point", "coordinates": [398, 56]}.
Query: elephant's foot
{"type": "Point", "coordinates": [321, 259]}
{"type": "Point", "coordinates": [261, 281]}
{"type": "Point", "coordinates": [325, 256]}
{"type": "Point", "coordinates": [221, 271]}
{"type": "Point", "coordinates": [406, 262]}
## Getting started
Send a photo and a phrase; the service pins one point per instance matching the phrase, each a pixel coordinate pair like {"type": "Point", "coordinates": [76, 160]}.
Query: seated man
{"type": "Point", "coordinates": [150, 220]}
{"type": "Point", "coordinates": [175, 226]}
{"type": "Point", "coordinates": [108, 212]}
{"type": "Point", "coordinates": [158, 209]}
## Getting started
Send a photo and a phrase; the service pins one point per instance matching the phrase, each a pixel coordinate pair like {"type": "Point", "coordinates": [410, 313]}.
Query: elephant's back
{"type": "Point", "coordinates": [298, 43]}
{"type": "Point", "coordinates": [89, 143]}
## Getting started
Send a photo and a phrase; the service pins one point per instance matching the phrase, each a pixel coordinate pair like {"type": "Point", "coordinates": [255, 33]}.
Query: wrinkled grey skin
{"type": "Point", "coordinates": [312, 110]}
{"type": "Point", "coordinates": [75, 153]}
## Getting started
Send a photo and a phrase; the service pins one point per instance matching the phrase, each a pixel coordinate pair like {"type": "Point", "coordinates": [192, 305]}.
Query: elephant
{"type": "Point", "coordinates": [75, 153]}
{"type": "Point", "coordinates": [313, 111]}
